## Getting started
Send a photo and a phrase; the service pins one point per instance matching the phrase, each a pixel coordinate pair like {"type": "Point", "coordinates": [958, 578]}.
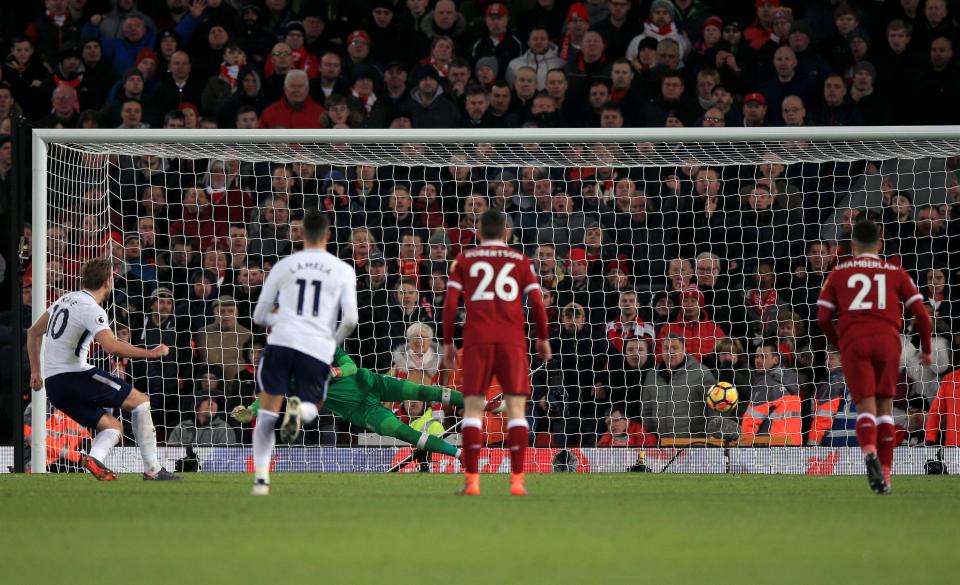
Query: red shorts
{"type": "Point", "coordinates": [509, 363]}
{"type": "Point", "coordinates": [871, 366]}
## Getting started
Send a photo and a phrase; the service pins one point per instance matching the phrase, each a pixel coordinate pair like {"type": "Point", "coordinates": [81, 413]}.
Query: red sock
{"type": "Point", "coordinates": [886, 441]}
{"type": "Point", "coordinates": [471, 435]}
{"type": "Point", "coordinates": [867, 432]}
{"type": "Point", "coordinates": [517, 438]}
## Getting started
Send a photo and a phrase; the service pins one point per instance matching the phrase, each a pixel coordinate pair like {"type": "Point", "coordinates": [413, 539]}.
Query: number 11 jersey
{"type": "Point", "coordinates": [302, 301]}
{"type": "Point", "coordinates": [868, 296]}
{"type": "Point", "coordinates": [494, 280]}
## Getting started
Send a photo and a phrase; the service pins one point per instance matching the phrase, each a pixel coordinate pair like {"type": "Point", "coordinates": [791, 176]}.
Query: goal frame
{"type": "Point", "coordinates": [43, 139]}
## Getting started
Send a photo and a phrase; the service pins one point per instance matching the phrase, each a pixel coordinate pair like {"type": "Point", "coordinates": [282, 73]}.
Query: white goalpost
{"type": "Point", "coordinates": [715, 238]}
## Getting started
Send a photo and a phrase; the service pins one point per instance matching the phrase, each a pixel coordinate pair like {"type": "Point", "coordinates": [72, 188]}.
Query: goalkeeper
{"type": "Point", "coordinates": [355, 395]}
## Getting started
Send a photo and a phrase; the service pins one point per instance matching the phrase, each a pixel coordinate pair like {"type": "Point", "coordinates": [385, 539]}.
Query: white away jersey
{"type": "Point", "coordinates": [75, 319]}
{"type": "Point", "coordinates": [301, 300]}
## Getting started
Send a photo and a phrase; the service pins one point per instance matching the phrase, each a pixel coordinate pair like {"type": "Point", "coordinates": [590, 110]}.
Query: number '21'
{"type": "Point", "coordinates": [859, 302]}
{"type": "Point", "coordinates": [317, 287]}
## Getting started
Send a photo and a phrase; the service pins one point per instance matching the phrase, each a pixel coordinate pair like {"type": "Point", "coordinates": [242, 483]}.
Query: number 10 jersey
{"type": "Point", "coordinates": [75, 319]}
{"type": "Point", "coordinates": [494, 280]}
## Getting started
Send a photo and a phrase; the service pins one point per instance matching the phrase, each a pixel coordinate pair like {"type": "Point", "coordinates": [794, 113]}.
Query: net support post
{"type": "Point", "coordinates": [38, 255]}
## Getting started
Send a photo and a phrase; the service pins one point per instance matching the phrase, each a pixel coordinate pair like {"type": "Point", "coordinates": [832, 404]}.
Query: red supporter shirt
{"type": "Point", "coordinates": [493, 279]}
{"type": "Point", "coordinates": [868, 294]}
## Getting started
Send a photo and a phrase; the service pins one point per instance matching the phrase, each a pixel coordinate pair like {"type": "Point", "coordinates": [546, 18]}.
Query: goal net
{"type": "Point", "coordinates": [669, 261]}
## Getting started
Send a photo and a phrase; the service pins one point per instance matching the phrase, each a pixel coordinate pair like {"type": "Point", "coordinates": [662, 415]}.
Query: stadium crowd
{"type": "Point", "coordinates": [659, 281]}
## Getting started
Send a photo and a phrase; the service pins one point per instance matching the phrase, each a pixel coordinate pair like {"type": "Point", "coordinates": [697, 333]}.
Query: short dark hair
{"type": "Point", "coordinates": [865, 233]}
{"type": "Point", "coordinates": [96, 273]}
{"type": "Point", "coordinates": [316, 224]}
{"type": "Point", "coordinates": [493, 224]}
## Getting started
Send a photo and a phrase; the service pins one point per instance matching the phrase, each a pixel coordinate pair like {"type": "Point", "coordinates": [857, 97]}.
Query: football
{"type": "Point", "coordinates": [722, 396]}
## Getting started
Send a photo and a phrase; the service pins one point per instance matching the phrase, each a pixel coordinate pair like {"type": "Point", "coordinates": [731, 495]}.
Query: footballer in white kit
{"type": "Point", "coordinates": [302, 300]}
{"type": "Point", "coordinates": [83, 392]}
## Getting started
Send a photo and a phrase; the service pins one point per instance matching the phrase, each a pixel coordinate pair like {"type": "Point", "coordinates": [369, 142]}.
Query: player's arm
{"type": "Point", "coordinates": [451, 304]}
{"type": "Point", "coordinates": [343, 365]}
{"type": "Point", "coordinates": [116, 347]}
{"type": "Point", "coordinates": [826, 307]}
{"type": "Point", "coordinates": [913, 302]}
{"type": "Point", "coordinates": [34, 343]}
{"type": "Point", "coordinates": [263, 312]}
{"type": "Point", "coordinates": [349, 313]}
{"type": "Point", "coordinates": [539, 313]}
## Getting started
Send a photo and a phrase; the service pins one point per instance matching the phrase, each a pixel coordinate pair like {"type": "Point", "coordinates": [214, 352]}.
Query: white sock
{"type": "Point", "coordinates": [103, 442]}
{"type": "Point", "coordinates": [146, 435]}
{"type": "Point", "coordinates": [308, 412]}
{"type": "Point", "coordinates": [263, 441]}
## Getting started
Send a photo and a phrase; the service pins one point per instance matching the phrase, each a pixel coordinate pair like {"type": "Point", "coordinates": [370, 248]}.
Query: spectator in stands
{"type": "Point", "coordinates": [627, 371]}
{"type": "Point", "coordinates": [405, 309]}
{"type": "Point", "coordinates": [418, 358]}
{"type": "Point", "coordinates": [899, 65]}
{"type": "Point", "coordinates": [628, 324]}
{"type": "Point", "coordinates": [795, 348]}
{"type": "Point", "coordinates": [445, 20]}
{"type": "Point", "coordinates": [938, 88]}
{"type": "Point", "coordinates": [930, 243]}
{"type": "Point", "coordinates": [271, 236]}
{"type": "Point", "coordinates": [134, 36]}
{"type": "Point", "coordinates": [671, 101]}
{"type": "Point", "coordinates": [54, 30]}
{"type": "Point", "coordinates": [498, 42]}
{"type": "Point", "coordinates": [774, 398]}
{"type": "Point", "coordinates": [581, 287]}
{"type": "Point", "coordinates": [808, 276]}
{"type": "Point", "coordinates": [787, 82]}
{"type": "Point", "coordinates": [427, 106]}
{"type": "Point", "coordinates": [618, 28]}
{"type": "Point", "coordinates": [159, 324]}
{"type": "Point", "coordinates": [837, 109]}
{"type": "Point", "coordinates": [541, 56]}
{"type": "Point", "coordinates": [206, 428]}
{"type": "Point", "coordinates": [694, 325]}
{"type": "Point", "coordinates": [296, 109]}
{"type": "Point", "coordinates": [759, 33]}
{"type": "Point", "coordinates": [660, 26]}
{"type": "Point", "coordinates": [763, 300]}
{"type": "Point", "coordinates": [835, 416]}
{"type": "Point", "coordinates": [219, 343]}
{"type": "Point", "coordinates": [579, 347]}
{"type": "Point", "coordinates": [937, 296]}
{"type": "Point", "coordinates": [27, 76]}
{"type": "Point", "coordinates": [64, 113]}
{"type": "Point", "coordinates": [876, 108]}
{"type": "Point", "coordinates": [754, 110]}
{"type": "Point", "coordinates": [673, 393]}
{"type": "Point", "coordinates": [623, 432]}
{"type": "Point", "coordinates": [936, 22]}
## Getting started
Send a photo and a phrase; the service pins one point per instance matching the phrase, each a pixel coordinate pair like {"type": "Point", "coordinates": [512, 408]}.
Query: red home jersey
{"type": "Point", "coordinates": [868, 295]}
{"type": "Point", "coordinates": [493, 280]}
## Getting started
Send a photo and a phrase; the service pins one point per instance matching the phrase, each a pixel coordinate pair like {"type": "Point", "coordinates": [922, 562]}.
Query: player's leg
{"type": "Point", "coordinates": [396, 390]}
{"type": "Point", "coordinates": [109, 430]}
{"type": "Point", "coordinates": [384, 423]}
{"type": "Point", "coordinates": [311, 376]}
{"type": "Point", "coordinates": [79, 395]}
{"type": "Point", "coordinates": [513, 371]}
{"type": "Point", "coordinates": [861, 380]}
{"type": "Point", "coordinates": [273, 375]}
{"type": "Point", "coordinates": [887, 371]}
{"type": "Point", "coordinates": [138, 405]}
{"type": "Point", "coordinates": [477, 370]}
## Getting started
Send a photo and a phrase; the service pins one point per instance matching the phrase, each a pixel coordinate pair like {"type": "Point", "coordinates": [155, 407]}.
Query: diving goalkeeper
{"type": "Point", "coordinates": [355, 395]}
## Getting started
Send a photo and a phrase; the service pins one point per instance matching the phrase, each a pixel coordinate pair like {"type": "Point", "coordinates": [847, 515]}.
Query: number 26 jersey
{"type": "Point", "coordinates": [868, 295]}
{"type": "Point", "coordinates": [494, 280]}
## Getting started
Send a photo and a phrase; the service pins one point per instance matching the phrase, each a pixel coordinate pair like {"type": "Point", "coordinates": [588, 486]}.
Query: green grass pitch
{"type": "Point", "coordinates": [356, 529]}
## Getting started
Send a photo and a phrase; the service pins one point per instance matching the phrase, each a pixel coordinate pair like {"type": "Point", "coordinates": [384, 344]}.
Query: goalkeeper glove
{"type": "Point", "coordinates": [242, 414]}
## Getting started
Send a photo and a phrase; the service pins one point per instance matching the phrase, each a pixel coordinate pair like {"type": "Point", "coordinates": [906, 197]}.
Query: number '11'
{"type": "Point", "coordinates": [317, 287]}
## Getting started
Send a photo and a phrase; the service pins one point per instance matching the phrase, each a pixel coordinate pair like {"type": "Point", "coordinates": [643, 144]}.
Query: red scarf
{"type": "Point", "coordinates": [762, 301]}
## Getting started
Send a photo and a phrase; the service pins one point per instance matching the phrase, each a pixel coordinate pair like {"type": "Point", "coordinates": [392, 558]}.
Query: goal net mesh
{"type": "Point", "coordinates": [666, 267]}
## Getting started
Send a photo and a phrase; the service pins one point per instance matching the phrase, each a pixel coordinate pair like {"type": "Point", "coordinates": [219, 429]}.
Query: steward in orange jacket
{"type": "Point", "coordinates": [775, 408]}
{"type": "Point", "coordinates": [943, 420]}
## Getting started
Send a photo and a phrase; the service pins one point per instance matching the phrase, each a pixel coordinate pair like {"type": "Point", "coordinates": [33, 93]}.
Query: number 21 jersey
{"type": "Point", "coordinates": [868, 296]}
{"type": "Point", "coordinates": [494, 279]}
